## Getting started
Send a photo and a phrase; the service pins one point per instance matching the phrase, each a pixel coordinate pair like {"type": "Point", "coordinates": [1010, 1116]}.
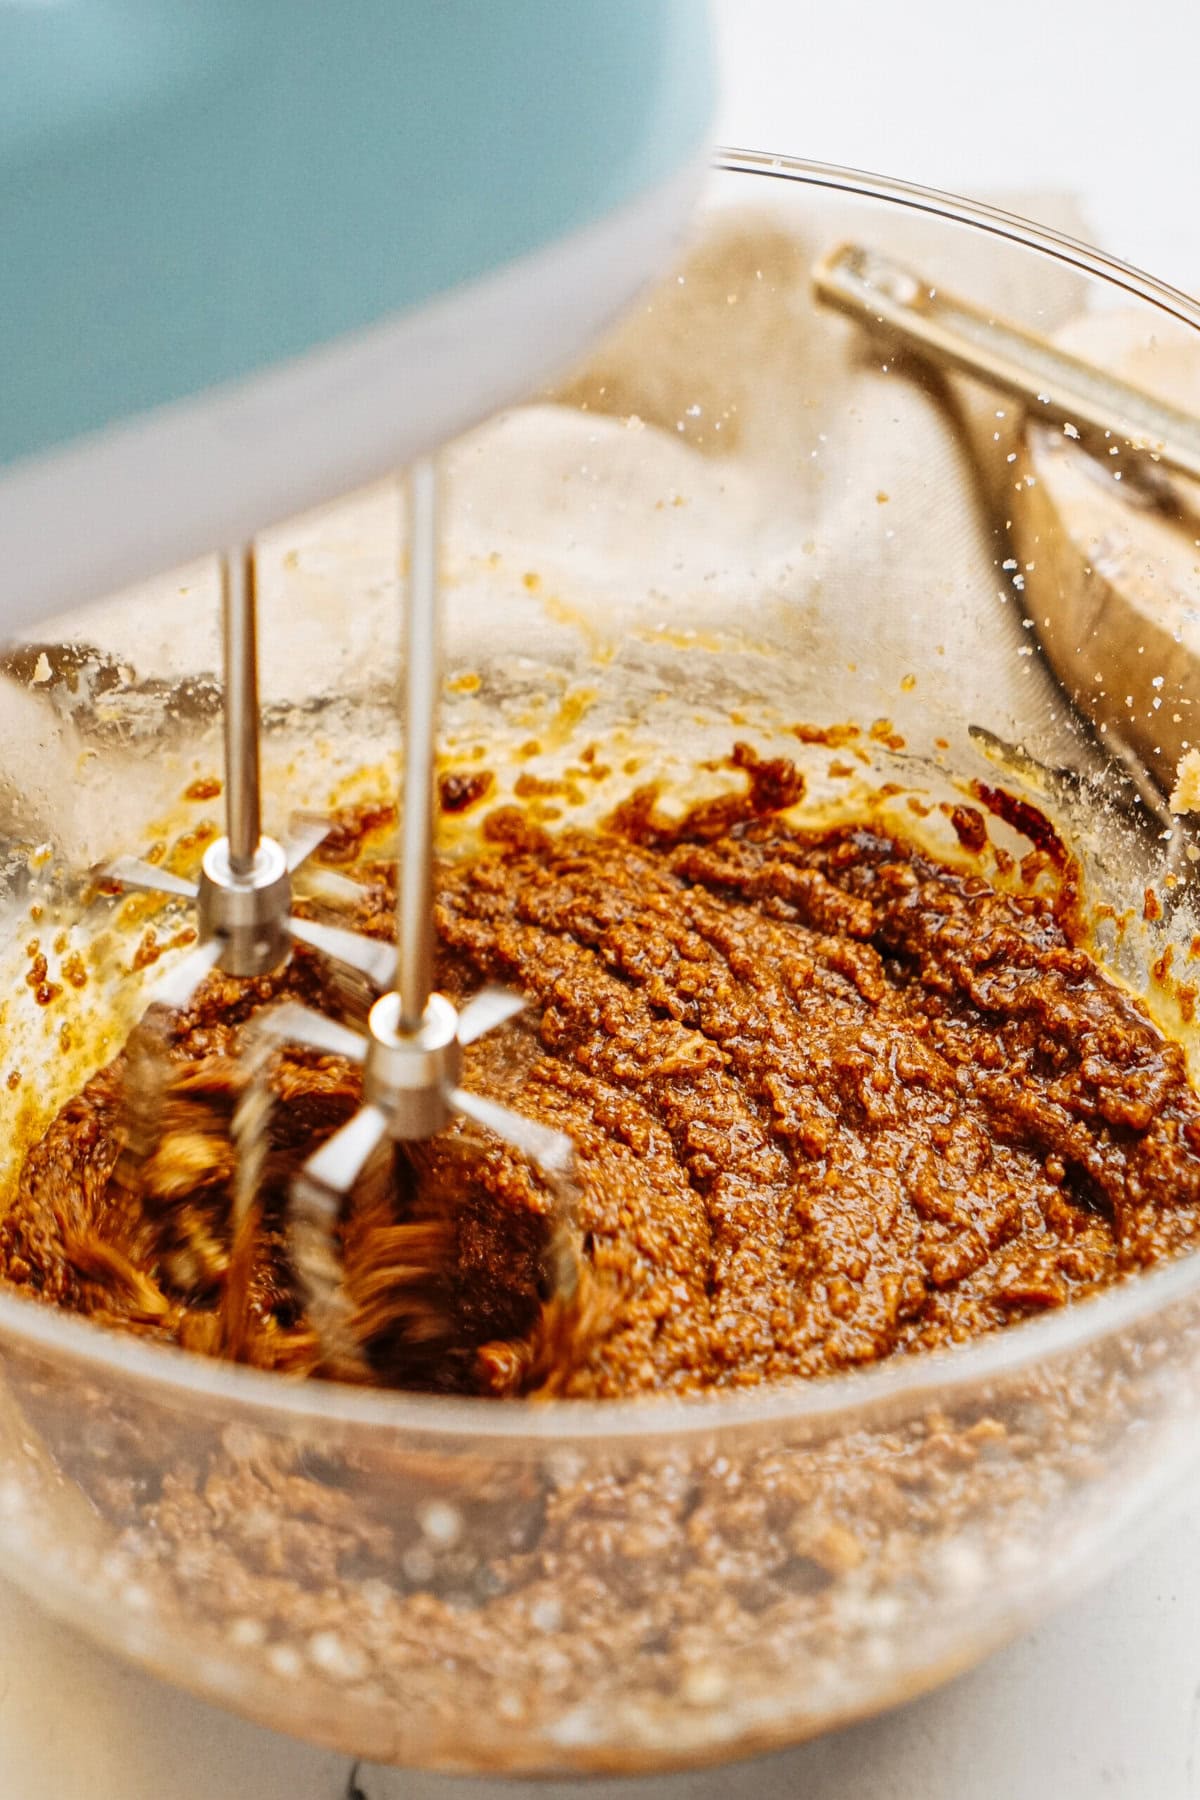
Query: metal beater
{"type": "Point", "coordinates": [411, 1055]}
{"type": "Point", "coordinates": [243, 898]}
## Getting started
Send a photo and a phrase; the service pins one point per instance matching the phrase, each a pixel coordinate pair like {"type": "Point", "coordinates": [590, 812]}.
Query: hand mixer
{"type": "Point", "coordinates": [257, 253]}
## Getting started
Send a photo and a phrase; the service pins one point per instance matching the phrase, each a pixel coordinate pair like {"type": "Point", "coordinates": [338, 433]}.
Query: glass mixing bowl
{"type": "Point", "coordinates": [746, 518]}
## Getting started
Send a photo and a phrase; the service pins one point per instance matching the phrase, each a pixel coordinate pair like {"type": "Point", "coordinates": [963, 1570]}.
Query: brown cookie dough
{"type": "Point", "coordinates": [832, 1101]}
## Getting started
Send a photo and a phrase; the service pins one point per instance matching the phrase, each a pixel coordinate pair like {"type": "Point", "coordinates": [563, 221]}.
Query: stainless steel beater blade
{"type": "Point", "coordinates": [490, 1007]}
{"type": "Point", "coordinates": [132, 872]}
{"type": "Point", "coordinates": [551, 1151]}
{"type": "Point", "coordinates": [340, 1161]}
{"type": "Point", "coordinates": [316, 1259]}
{"type": "Point", "coordinates": [375, 960]}
{"type": "Point", "coordinates": [180, 983]}
{"type": "Point", "coordinates": [292, 1023]}
{"type": "Point", "coordinates": [331, 886]}
{"type": "Point", "coordinates": [305, 836]}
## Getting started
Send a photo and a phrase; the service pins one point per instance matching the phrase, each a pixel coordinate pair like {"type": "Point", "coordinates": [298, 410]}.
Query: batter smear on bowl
{"type": "Point", "coordinates": [833, 1101]}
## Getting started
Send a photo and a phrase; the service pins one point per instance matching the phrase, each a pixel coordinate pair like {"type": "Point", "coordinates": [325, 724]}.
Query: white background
{"type": "Point", "coordinates": [1090, 98]}
{"type": "Point", "coordinates": [1100, 98]}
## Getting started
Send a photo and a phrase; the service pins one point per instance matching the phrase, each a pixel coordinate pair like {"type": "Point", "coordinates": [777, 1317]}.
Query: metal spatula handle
{"type": "Point", "coordinates": [893, 301]}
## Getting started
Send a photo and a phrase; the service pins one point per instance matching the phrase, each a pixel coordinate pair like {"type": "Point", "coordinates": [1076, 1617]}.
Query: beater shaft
{"type": "Point", "coordinates": [412, 1051]}
{"type": "Point", "coordinates": [244, 895]}
{"type": "Point", "coordinates": [414, 888]}
{"type": "Point", "coordinates": [239, 628]}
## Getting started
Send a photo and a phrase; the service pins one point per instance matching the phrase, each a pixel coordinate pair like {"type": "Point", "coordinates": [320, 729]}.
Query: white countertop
{"type": "Point", "coordinates": [1087, 97]}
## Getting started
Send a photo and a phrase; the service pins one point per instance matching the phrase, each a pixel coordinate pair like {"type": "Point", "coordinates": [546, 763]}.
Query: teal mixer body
{"type": "Point", "coordinates": [258, 250]}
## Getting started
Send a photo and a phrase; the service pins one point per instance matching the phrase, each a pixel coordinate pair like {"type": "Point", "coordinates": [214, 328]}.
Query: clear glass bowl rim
{"type": "Point", "coordinates": [176, 1377]}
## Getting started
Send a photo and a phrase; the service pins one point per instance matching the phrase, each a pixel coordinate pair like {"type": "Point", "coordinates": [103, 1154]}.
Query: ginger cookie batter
{"type": "Point", "coordinates": [832, 1100]}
